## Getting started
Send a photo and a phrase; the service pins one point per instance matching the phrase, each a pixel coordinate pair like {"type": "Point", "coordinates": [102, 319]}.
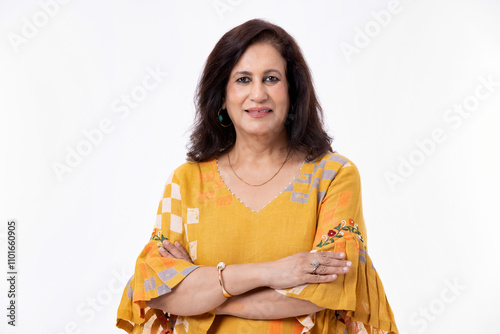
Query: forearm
{"type": "Point", "coordinates": [266, 304]}
{"type": "Point", "coordinates": [200, 291]}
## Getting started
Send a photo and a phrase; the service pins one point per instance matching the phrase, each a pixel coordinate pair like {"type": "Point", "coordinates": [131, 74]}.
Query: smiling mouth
{"type": "Point", "coordinates": [259, 111]}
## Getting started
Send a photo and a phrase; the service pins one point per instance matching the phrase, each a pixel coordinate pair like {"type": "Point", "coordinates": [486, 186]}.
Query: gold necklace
{"type": "Point", "coordinates": [258, 185]}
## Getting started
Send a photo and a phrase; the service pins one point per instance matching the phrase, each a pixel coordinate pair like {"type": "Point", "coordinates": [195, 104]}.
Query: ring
{"type": "Point", "coordinates": [315, 265]}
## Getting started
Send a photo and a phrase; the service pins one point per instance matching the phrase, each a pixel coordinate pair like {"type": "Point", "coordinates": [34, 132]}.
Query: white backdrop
{"type": "Point", "coordinates": [96, 103]}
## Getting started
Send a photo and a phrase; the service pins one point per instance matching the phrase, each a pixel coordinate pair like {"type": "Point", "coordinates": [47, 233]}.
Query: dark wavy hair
{"type": "Point", "coordinates": [305, 131]}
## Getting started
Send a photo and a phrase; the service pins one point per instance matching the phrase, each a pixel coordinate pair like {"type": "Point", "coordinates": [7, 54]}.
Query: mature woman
{"type": "Point", "coordinates": [271, 218]}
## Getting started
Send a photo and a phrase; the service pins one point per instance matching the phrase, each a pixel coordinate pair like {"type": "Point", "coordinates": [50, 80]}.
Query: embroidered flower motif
{"type": "Point", "coordinates": [158, 236]}
{"type": "Point", "coordinates": [338, 232]}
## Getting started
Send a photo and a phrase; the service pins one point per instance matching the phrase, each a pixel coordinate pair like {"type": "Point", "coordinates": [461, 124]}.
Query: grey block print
{"type": "Point", "coordinates": [130, 292]}
{"type": "Point", "coordinates": [328, 174]}
{"type": "Point", "coordinates": [167, 274]}
{"type": "Point", "coordinates": [307, 179]}
{"type": "Point", "coordinates": [152, 282]}
{"type": "Point", "coordinates": [300, 197]}
{"type": "Point", "coordinates": [315, 184]}
{"type": "Point", "coordinates": [186, 271]}
{"type": "Point", "coordinates": [163, 289]}
{"type": "Point", "coordinates": [362, 258]}
{"type": "Point", "coordinates": [147, 285]}
{"type": "Point", "coordinates": [339, 159]}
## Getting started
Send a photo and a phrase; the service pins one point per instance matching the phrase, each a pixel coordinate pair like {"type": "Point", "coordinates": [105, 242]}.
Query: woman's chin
{"type": "Point", "coordinates": [263, 130]}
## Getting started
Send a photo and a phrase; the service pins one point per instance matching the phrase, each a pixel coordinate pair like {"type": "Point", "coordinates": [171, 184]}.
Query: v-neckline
{"type": "Point", "coordinates": [268, 203]}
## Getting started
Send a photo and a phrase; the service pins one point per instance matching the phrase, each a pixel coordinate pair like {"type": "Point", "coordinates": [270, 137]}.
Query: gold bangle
{"type": "Point", "coordinates": [221, 266]}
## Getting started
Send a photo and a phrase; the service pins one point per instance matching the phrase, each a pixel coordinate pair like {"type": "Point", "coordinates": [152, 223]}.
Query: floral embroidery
{"type": "Point", "coordinates": [338, 232]}
{"type": "Point", "coordinates": [157, 235]}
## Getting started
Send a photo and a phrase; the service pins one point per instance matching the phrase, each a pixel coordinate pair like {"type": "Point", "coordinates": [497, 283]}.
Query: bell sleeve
{"type": "Point", "coordinates": [155, 275]}
{"type": "Point", "coordinates": [354, 302]}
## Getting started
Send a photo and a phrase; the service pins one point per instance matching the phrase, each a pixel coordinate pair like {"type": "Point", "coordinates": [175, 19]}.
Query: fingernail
{"type": "Point", "coordinates": [334, 276]}
{"type": "Point", "coordinates": [346, 269]}
{"type": "Point", "coordinates": [348, 263]}
{"type": "Point", "coordinates": [177, 243]}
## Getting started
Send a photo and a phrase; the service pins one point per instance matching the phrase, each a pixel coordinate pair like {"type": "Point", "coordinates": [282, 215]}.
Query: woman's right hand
{"type": "Point", "coordinates": [174, 251]}
{"type": "Point", "coordinates": [298, 269]}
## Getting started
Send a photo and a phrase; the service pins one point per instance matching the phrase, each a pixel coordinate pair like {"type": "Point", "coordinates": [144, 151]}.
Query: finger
{"type": "Point", "coordinates": [172, 249]}
{"type": "Point", "coordinates": [335, 255]}
{"type": "Point", "coordinates": [322, 278]}
{"type": "Point", "coordinates": [331, 260]}
{"type": "Point", "coordinates": [328, 271]}
{"type": "Point", "coordinates": [185, 255]}
{"type": "Point", "coordinates": [181, 249]}
{"type": "Point", "coordinates": [164, 252]}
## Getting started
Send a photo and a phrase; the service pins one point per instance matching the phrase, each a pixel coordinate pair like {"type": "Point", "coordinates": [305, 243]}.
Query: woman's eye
{"type": "Point", "coordinates": [271, 79]}
{"type": "Point", "coordinates": [243, 80]}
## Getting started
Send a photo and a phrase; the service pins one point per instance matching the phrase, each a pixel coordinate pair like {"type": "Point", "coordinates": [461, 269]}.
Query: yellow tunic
{"type": "Point", "coordinates": [320, 210]}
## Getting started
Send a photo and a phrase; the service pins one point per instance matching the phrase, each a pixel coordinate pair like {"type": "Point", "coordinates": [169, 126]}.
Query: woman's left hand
{"type": "Point", "coordinates": [175, 251]}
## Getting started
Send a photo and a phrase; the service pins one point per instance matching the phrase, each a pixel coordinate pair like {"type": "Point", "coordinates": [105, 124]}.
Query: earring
{"type": "Point", "coordinates": [221, 119]}
{"type": "Point", "coordinates": [290, 117]}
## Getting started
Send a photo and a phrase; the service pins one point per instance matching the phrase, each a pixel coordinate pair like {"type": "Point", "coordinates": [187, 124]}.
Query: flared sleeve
{"type": "Point", "coordinates": [354, 302]}
{"type": "Point", "coordinates": [155, 275]}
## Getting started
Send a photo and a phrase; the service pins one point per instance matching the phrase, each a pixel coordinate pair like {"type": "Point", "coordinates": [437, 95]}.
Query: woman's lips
{"type": "Point", "coordinates": [259, 109]}
{"type": "Point", "coordinates": [259, 112]}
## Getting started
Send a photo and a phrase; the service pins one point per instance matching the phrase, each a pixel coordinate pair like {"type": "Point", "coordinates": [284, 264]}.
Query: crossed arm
{"type": "Point", "coordinates": [251, 284]}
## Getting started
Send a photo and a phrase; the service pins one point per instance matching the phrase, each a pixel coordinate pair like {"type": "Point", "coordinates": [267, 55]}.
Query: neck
{"type": "Point", "coordinates": [260, 150]}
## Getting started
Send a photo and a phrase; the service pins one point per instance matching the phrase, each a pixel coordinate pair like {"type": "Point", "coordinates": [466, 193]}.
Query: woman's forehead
{"type": "Point", "coordinates": [258, 58]}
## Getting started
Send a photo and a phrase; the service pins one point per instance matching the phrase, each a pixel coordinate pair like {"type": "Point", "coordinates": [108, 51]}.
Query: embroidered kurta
{"type": "Point", "coordinates": [320, 210]}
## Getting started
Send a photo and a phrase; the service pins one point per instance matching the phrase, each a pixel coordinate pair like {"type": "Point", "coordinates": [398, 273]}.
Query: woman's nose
{"type": "Point", "coordinates": [258, 92]}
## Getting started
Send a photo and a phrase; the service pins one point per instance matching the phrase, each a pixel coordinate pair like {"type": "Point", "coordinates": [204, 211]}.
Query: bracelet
{"type": "Point", "coordinates": [221, 266]}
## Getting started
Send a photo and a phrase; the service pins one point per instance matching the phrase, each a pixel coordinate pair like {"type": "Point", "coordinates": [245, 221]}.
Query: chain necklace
{"type": "Point", "coordinates": [258, 185]}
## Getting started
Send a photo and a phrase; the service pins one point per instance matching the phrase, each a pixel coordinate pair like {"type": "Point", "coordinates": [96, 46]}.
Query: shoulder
{"type": "Point", "coordinates": [192, 170]}
{"type": "Point", "coordinates": [334, 168]}
{"type": "Point", "coordinates": [334, 161]}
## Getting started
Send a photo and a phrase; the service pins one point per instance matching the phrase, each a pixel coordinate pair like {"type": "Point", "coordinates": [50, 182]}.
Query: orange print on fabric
{"type": "Point", "coordinates": [218, 183]}
{"type": "Point", "coordinates": [205, 196]}
{"type": "Point", "coordinates": [207, 177]}
{"type": "Point", "coordinates": [297, 327]}
{"type": "Point", "coordinates": [339, 247]}
{"type": "Point", "coordinates": [224, 200]}
{"type": "Point", "coordinates": [328, 216]}
{"type": "Point", "coordinates": [275, 326]}
{"type": "Point", "coordinates": [344, 199]}
{"type": "Point", "coordinates": [142, 268]}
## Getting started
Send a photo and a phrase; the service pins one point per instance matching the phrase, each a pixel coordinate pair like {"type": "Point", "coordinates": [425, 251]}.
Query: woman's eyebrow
{"type": "Point", "coordinates": [250, 73]}
{"type": "Point", "coordinates": [242, 73]}
{"type": "Point", "coordinates": [272, 71]}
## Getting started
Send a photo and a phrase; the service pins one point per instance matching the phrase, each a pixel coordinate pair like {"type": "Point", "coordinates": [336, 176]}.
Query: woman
{"type": "Point", "coordinates": [272, 220]}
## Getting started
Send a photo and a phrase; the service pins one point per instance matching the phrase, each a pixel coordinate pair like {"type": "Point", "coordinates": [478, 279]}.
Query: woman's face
{"type": "Point", "coordinates": [257, 92]}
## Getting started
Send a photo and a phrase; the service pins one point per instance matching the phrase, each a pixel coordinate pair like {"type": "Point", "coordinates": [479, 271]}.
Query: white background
{"type": "Point", "coordinates": [432, 233]}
